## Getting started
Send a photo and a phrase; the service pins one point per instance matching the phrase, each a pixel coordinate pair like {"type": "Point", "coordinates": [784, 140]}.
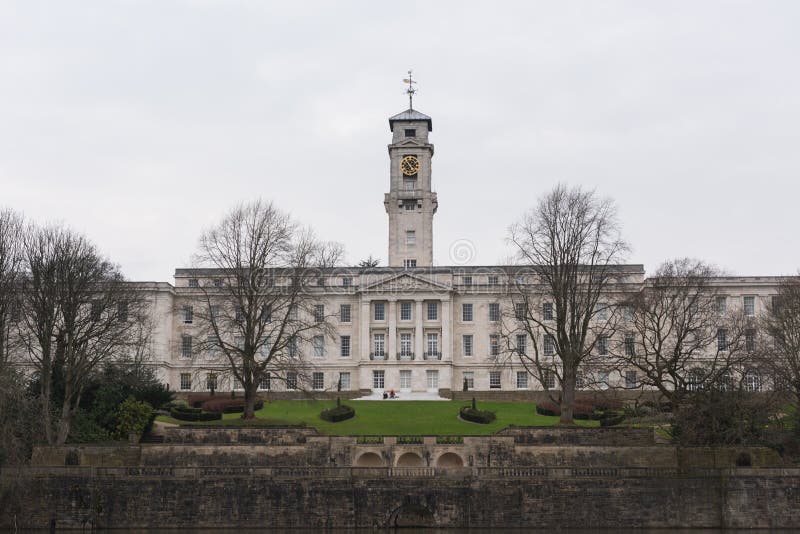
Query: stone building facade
{"type": "Point", "coordinates": [408, 327]}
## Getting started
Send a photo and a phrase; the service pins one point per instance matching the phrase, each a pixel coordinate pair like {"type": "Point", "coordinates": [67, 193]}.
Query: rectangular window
{"type": "Point", "coordinates": [549, 345]}
{"type": "Point", "coordinates": [548, 379]}
{"type": "Point", "coordinates": [409, 132]}
{"type": "Point", "coordinates": [494, 280]}
{"type": "Point", "coordinates": [122, 311]}
{"type": "Point", "coordinates": [494, 345]}
{"type": "Point", "coordinates": [522, 380]}
{"type": "Point", "coordinates": [602, 311]}
{"type": "Point", "coordinates": [547, 311]}
{"type": "Point", "coordinates": [213, 312]}
{"type": "Point", "coordinates": [193, 282]}
{"type": "Point", "coordinates": [627, 313]}
{"type": "Point", "coordinates": [344, 313]}
{"type": "Point", "coordinates": [347, 281]}
{"type": "Point", "coordinates": [405, 346]}
{"type": "Point", "coordinates": [580, 382]}
{"type": "Point", "coordinates": [469, 379]}
{"type": "Point", "coordinates": [602, 345]}
{"type": "Point", "coordinates": [264, 384]}
{"type": "Point", "coordinates": [466, 312]}
{"type": "Point", "coordinates": [466, 280]}
{"type": "Point", "coordinates": [494, 311]}
{"type": "Point", "coordinates": [410, 263]}
{"type": "Point", "coordinates": [629, 345]}
{"type": "Point", "coordinates": [319, 313]}
{"type": "Point", "coordinates": [218, 282]}
{"type": "Point", "coordinates": [494, 379]}
{"type": "Point", "coordinates": [750, 340]}
{"type": "Point", "coordinates": [186, 346]}
{"type": "Point", "coordinates": [433, 345]}
{"type": "Point", "coordinates": [433, 311]}
{"type": "Point", "coordinates": [380, 311]}
{"type": "Point", "coordinates": [318, 381]}
{"type": "Point", "coordinates": [630, 379]}
{"type": "Point", "coordinates": [410, 205]}
{"type": "Point", "coordinates": [188, 315]}
{"type": "Point", "coordinates": [749, 306]}
{"type": "Point", "coordinates": [186, 381]}
{"type": "Point", "coordinates": [432, 379]}
{"type": "Point", "coordinates": [291, 380]}
{"type": "Point", "coordinates": [405, 379]}
{"type": "Point", "coordinates": [379, 344]}
{"type": "Point", "coordinates": [318, 343]}
{"type": "Point", "coordinates": [240, 316]}
{"type": "Point", "coordinates": [466, 341]}
{"type": "Point", "coordinates": [522, 344]}
{"type": "Point", "coordinates": [293, 347]}
{"type": "Point", "coordinates": [722, 339]}
{"type": "Point", "coordinates": [292, 312]}
{"type": "Point", "coordinates": [211, 381]}
{"type": "Point", "coordinates": [520, 311]}
{"type": "Point", "coordinates": [405, 311]}
{"type": "Point", "coordinates": [721, 304]}
{"type": "Point", "coordinates": [238, 342]}
{"type": "Point", "coordinates": [344, 381]}
{"type": "Point", "coordinates": [411, 238]}
{"type": "Point", "coordinates": [344, 343]}
{"type": "Point", "coordinates": [377, 379]}
{"type": "Point", "coordinates": [602, 379]}
{"type": "Point", "coordinates": [212, 347]}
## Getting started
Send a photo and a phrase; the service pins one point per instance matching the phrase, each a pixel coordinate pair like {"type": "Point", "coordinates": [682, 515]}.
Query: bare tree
{"type": "Point", "coordinates": [260, 309]}
{"type": "Point", "coordinates": [570, 244]}
{"type": "Point", "coordinates": [11, 268]}
{"type": "Point", "coordinates": [680, 336]}
{"type": "Point", "coordinates": [779, 348]}
{"type": "Point", "coordinates": [77, 313]}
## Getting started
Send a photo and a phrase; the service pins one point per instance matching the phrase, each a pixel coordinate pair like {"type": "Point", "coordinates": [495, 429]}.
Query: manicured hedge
{"type": "Point", "coordinates": [223, 405]}
{"type": "Point", "coordinates": [611, 420]}
{"type": "Point", "coordinates": [338, 413]}
{"type": "Point", "coordinates": [468, 413]}
{"type": "Point", "coordinates": [194, 414]}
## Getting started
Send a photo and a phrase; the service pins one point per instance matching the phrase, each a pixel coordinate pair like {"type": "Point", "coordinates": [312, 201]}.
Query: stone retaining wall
{"type": "Point", "coordinates": [379, 498]}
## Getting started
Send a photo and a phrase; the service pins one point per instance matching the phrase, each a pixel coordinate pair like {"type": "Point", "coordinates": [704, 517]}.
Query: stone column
{"type": "Point", "coordinates": [364, 342]}
{"type": "Point", "coordinates": [447, 337]}
{"type": "Point", "coordinates": [418, 331]}
{"type": "Point", "coordinates": [391, 342]}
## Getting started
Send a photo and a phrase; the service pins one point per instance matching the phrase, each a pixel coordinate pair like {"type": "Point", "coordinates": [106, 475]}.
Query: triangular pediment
{"type": "Point", "coordinates": [409, 141]}
{"type": "Point", "coordinates": [405, 282]}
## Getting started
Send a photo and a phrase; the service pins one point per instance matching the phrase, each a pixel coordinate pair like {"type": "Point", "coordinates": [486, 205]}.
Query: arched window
{"type": "Point", "coordinates": [724, 381]}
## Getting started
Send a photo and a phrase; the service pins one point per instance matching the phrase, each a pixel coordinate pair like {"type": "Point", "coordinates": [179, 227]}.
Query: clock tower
{"type": "Point", "coordinates": [410, 201]}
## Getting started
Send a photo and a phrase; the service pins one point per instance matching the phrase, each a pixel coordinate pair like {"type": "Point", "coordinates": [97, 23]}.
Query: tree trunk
{"type": "Point", "coordinates": [64, 422]}
{"type": "Point", "coordinates": [567, 396]}
{"type": "Point", "coordinates": [250, 401]}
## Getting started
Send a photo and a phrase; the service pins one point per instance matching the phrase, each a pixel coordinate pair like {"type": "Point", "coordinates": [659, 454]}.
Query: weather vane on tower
{"type": "Point", "coordinates": [411, 90]}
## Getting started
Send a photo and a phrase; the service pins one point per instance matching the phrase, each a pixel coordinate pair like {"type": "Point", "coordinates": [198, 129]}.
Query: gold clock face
{"type": "Point", "coordinates": [409, 165]}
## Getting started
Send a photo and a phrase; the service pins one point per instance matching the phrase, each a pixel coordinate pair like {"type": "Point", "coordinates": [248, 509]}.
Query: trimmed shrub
{"type": "Point", "coordinates": [132, 417]}
{"type": "Point", "coordinates": [473, 415]}
{"type": "Point", "coordinates": [548, 408]}
{"type": "Point", "coordinates": [611, 420]}
{"type": "Point", "coordinates": [194, 414]}
{"type": "Point", "coordinates": [223, 405]}
{"type": "Point", "coordinates": [338, 413]}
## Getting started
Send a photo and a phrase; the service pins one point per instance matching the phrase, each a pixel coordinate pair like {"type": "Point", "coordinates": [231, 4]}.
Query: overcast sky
{"type": "Point", "coordinates": [141, 123]}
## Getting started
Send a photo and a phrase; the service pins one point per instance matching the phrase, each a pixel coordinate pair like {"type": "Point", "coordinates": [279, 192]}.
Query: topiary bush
{"type": "Point", "coordinates": [223, 405]}
{"type": "Point", "coordinates": [193, 414]}
{"type": "Point", "coordinates": [338, 413]}
{"type": "Point", "coordinates": [473, 415]}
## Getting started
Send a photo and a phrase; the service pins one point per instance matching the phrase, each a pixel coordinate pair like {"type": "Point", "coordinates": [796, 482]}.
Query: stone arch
{"type": "Point", "coordinates": [412, 516]}
{"type": "Point", "coordinates": [369, 459]}
{"type": "Point", "coordinates": [449, 459]}
{"type": "Point", "coordinates": [410, 459]}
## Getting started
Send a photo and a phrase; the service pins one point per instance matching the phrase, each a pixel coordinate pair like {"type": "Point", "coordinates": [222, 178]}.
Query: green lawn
{"type": "Point", "coordinates": [393, 417]}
